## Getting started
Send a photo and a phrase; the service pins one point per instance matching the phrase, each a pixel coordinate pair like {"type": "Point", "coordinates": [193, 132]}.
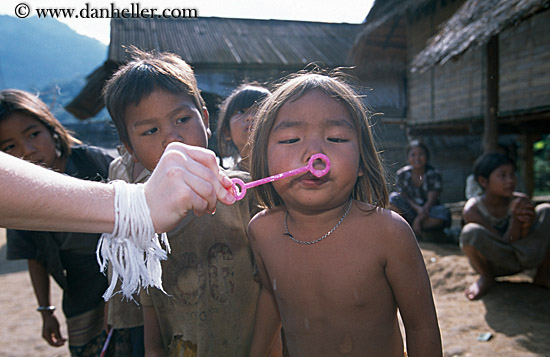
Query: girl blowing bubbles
{"type": "Point", "coordinates": [335, 265]}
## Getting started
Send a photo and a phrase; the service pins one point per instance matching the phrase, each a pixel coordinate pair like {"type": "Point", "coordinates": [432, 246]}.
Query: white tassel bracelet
{"type": "Point", "coordinates": [133, 248]}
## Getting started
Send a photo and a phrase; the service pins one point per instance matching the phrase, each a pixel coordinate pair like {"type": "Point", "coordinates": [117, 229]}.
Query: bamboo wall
{"type": "Point", "coordinates": [456, 90]}
{"type": "Point", "coordinates": [525, 65]}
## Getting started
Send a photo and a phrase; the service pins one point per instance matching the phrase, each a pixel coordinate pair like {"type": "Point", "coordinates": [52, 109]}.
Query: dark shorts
{"type": "Point", "coordinates": [439, 211]}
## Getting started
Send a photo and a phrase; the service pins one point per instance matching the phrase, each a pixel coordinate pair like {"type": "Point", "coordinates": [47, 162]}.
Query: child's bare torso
{"type": "Point", "coordinates": [333, 296]}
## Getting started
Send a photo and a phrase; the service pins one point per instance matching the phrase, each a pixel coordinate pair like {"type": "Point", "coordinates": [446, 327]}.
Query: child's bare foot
{"type": "Point", "coordinates": [480, 287]}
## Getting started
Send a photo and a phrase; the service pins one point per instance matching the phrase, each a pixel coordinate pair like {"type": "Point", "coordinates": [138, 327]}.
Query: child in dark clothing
{"type": "Point", "coordinates": [29, 130]}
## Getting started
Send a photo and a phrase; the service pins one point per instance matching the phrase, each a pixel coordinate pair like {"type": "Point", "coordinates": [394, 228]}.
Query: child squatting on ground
{"type": "Point", "coordinates": [209, 278]}
{"type": "Point", "coordinates": [335, 265]}
{"type": "Point", "coordinates": [504, 232]}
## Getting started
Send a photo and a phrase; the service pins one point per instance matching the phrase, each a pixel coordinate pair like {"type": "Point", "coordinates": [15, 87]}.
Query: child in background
{"type": "Point", "coordinates": [504, 232]}
{"type": "Point", "coordinates": [211, 294]}
{"type": "Point", "coordinates": [473, 188]}
{"type": "Point", "coordinates": [237, 115]}
{"type": "Point", "coordinates": [29, 130]}
{"type": "Point", "coordinates": [335, 266]}
{"type": "Point", "coordinates": [418, 187]}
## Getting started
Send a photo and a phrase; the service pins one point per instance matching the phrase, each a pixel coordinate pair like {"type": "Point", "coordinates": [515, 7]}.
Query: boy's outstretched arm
{"type": "Point", "coordinates": [408, 278]}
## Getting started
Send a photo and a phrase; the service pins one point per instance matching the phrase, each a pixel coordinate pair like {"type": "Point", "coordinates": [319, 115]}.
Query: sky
{"type": "Point", "coordinates": [350, 11]}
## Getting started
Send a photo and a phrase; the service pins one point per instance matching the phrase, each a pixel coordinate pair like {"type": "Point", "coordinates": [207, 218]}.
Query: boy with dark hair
{"type": "Point", "coordinates": [211, 293]}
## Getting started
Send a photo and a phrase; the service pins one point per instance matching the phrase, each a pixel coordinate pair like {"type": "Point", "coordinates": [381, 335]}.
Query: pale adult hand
{"type": "Point", "coordinates": [186, 178]}
{"type": "Point", "coordinates": [50, 330]}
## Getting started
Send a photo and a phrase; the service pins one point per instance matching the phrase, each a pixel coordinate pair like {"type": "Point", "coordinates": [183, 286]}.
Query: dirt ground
{"type": "Point", "coordinates": [514, 312]}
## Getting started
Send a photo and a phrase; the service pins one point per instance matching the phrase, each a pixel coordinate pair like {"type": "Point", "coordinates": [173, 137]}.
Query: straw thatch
{"type": "Point", "coordinates": [385, 10]}
{"type": "Point", "coordinates": [473, 25]}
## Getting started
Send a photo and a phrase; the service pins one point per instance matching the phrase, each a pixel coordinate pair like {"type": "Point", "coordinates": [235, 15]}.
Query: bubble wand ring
{"type": "Point", "coordinates": [240, 187]}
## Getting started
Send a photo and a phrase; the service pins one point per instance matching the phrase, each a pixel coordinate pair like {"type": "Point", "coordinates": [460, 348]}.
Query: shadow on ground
{"type": "Point", "coordinates": [513, 307]}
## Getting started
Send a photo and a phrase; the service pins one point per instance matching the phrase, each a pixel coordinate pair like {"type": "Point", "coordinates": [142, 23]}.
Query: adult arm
{"type": "Point", "coordinates": [34, 198]}
{"type": "Point", "coordinates": [409, 281]}
{"type": "Point", "coordinates": [41, 285]}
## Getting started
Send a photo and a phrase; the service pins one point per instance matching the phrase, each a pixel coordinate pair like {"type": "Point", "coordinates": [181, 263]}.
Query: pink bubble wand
{"type": "Point", "coordinates": [240, 187]}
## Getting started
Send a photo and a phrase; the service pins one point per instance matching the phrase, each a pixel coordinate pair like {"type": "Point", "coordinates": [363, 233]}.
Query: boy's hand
{"type": "Point", "coordinates": [523, 210]}
{"type": "Point", "coordinates": [186, 178]}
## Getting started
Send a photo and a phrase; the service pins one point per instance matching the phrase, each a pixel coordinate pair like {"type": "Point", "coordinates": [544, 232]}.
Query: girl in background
{"type": "Point", "coordinates": [417, 189]}
{"type": "Point", "coordinates": [237, 114]}
{"type": "Point", "coordinates": [29, 131]}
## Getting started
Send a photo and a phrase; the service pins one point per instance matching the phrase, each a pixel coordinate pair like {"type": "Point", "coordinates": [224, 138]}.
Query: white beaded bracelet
{"type": "Point", "coordinates": [133, 248]}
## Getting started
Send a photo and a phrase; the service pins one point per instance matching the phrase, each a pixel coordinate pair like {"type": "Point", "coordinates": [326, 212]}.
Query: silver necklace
{"type": "Point", "coordinates": [318, 239]}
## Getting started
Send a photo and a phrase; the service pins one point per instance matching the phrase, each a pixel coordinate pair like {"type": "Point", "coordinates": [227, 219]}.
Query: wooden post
{"type": "Point", "coordinates": [528, 163]}
{"type": "Point", "coordinates": [490, 122]}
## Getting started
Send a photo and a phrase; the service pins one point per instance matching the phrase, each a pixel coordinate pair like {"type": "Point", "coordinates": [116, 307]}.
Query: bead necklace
{"type": "Point", "coordinates": [323, 237]}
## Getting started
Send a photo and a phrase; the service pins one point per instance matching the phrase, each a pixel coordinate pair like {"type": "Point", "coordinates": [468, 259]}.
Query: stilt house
{"type": "Point", "coordinates": [471, 72]}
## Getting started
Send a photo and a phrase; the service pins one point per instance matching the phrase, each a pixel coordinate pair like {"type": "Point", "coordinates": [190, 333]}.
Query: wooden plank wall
{"type": "Point", "coordinates": [525, 64]}
{"type": "Point", "coordinates": [456, 90]}
{"type": "Point", "coordinates": [449, 92]}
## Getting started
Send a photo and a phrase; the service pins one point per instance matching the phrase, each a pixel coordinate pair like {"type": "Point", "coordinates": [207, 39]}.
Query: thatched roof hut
{"type": "Point", "coordinates": [473, 25]}
{"type": "Point", "coordinates": [408, 38]}
{"type": "Point", "coordinates": [495, 84]}
{"type": "Point", "coordinates": [222, 51]}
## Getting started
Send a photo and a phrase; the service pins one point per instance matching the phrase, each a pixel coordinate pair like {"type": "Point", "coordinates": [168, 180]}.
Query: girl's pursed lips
{"type": "Point", "coordinates": [310, 177]}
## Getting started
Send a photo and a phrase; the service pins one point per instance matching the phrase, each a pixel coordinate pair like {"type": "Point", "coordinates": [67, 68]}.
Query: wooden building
{"type": "Point", "coordinates": [473, 72]}
{"type": "Point", "coordinates": [224, 52]}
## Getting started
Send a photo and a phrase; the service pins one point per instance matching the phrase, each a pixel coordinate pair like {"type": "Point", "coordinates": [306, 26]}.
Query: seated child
{"type": "Point", "coordinates": [417, 190]}
{"type": "Point", "coordinates": [237, 115]}
{"type": "Point", "coordinates": [209, 278]}
{"type": "Point", "coordinates": [335, 265]}
{"type": "Point", "coordinates": [504, 232]}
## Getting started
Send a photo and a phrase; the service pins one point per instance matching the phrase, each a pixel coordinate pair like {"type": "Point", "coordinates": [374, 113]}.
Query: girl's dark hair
{"type": "Point", "coordinates": [487, 163]}
{"type": "Point", "coordinates": [18, 101]}
{"type": "Point", "coordinates": [369, 187]}
{"type": "Point", "coordinates": [244, 97]}
{"type": "Point", "coordinates": [416, 143]}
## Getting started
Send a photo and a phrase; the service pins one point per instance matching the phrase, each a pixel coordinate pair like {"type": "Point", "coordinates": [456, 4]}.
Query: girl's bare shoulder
{"type": "Point", "coordinates": [382, 219]}
{"type": "Point", "coordinates": [265, 219]}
